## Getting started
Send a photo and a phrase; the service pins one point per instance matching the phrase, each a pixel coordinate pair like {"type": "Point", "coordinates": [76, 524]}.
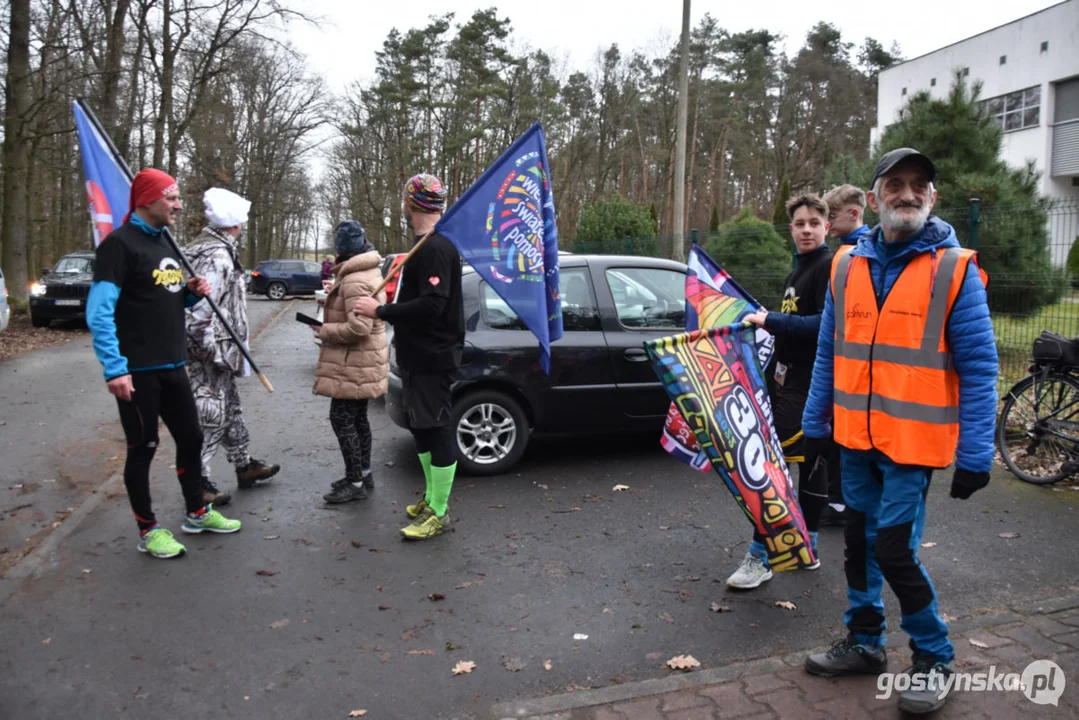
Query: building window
{"type": "Point", "coordinates": [1045, 46]}
{"type": "Point", "coordinates": [933, 82]}
{"type": "Point", "coordinates": [904, 92]}
{"type": "Point", "coordinates": [1016, 110]}
{"type": "Point", "coordinates": [1003, 59]}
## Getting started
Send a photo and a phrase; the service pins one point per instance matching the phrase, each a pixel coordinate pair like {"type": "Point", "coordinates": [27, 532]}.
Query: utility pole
{"type": "Point", "coordinates": [678, 250]}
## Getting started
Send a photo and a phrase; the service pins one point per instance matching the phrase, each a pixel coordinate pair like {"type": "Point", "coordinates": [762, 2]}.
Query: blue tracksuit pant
{"type": "Point", "coordinates": [885, 519]}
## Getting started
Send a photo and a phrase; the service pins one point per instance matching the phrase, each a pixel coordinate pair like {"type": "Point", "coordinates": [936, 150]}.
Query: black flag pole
{"type": "Point", "coordinates": [172, 241]}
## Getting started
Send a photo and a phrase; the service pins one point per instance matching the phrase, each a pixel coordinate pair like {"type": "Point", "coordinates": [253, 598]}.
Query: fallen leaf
{"type": "Point", "coordinates": [357, 713]}
{"type": "Point", "coordinates": [420, 652]}
{"type": "Point", "coordinates": [580, 636]}
{"type": "Point", "coordinates": [929, 544]}
{"type": "Point", "coordinates": [435, 597]}
{"type": "Point", "coordinates": [1009, 535]}
{"type": "Point", "coordinates": [270, 537]}
{"type": "Point", "coordinates": [464, 585]}
{"type": "Point", "coordinates": [378, 550]}
{"type": "Point", "coordinates": [978, 643]}
{"type": "Point", "coordinates": [450, 647]}
{"type": "Point", "coordinates": [620, 488]}
{"type": "Point", "coordinates": [716, 607]}
{"type": "Point", "coordinates": [683, 662]}
{"type": "Point", "coordinates": [463, 667]}
{"type": "Point", "coordinates": [357, 544]}
{"type": "Point", "coordinates": [46, 641]}
{"type": "Point", "coordinates": [267, 573]}
{"type": "Point", "coordinates": [666, 617]}
{"type": "Point", "coordinates": [546, 664]}
{"type": "Point", "coordinates": [786, 604]}
{"type": "Point", "coordinates": [513, 664]}
{"type": "Point", "coordinates": [385, 607]}
{"type": "Point", "coordinates": [86, 571]}
{"type": "Point", "coordinates": [277, 625]}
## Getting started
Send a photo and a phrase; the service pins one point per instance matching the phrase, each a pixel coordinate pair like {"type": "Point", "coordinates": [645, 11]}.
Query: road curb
{"type": "Point", "coordinates": [548, 707]}
{"type": "Point", "coordinates": [38, 559]}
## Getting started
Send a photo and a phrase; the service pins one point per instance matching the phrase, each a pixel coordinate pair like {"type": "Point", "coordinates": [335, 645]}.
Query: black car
{"type": "Point", "coordinates": [61, 292]}
{"type": "Point", "coordinates": [278, 278]}
{"type": "Point", "coordinates": [601, 380]}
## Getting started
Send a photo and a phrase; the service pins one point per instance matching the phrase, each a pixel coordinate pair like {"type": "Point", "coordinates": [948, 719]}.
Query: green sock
{"type": "Point", "coordinates": [425, 461]}
{"type": "Point", "coordinates": [441, 482]}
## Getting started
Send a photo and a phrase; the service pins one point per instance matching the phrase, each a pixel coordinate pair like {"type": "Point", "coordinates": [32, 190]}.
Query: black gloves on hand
{"type": "Point", "coordinates": [965, 483]}
{"type": "Point", "coordinates": [814, 449]}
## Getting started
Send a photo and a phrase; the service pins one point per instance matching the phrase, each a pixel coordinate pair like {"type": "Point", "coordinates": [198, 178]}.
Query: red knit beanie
{"type": "Point", "coordinates": [148, 186]}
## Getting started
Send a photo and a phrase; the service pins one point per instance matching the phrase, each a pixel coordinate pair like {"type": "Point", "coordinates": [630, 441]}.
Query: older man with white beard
{"type": "Point", "coordinates": [906, 374]}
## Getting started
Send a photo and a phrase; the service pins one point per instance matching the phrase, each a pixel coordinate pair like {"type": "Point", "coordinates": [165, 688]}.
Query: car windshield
{"type": "Point", "coordinates": [74, 265]}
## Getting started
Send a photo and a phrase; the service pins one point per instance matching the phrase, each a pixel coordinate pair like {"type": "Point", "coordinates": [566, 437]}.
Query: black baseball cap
{"type": "Point", "coordinates": [890, 159]}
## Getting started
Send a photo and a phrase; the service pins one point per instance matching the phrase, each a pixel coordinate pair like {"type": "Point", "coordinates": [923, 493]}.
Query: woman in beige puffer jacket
{"type": "Point", "coordinates": [353, 362]}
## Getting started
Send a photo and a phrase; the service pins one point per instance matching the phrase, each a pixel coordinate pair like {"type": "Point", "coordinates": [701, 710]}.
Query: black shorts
{"type": "Point", "coordinates": [788, 404]}
{"type": "Point", "coordinates": [427, 399]}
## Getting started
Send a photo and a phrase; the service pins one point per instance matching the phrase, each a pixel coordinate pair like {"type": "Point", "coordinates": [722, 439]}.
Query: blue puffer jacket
{"type": "Point", "coordinates": [969, 332]}
{"type": "Point", "coordinates": [856, 235]}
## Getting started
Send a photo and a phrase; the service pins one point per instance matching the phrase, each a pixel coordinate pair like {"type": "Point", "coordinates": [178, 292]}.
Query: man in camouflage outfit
{"type": "Point", "coordinates": [214, 360]}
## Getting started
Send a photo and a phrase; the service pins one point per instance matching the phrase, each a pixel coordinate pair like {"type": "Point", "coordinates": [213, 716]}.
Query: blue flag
{"type": "Point", "coordinates": [107, 185]}
{"type": "Point", "coordinates": [504, 226]}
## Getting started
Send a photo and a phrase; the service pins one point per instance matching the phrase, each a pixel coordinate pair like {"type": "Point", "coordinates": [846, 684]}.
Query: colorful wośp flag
{"type": "Point", "coordinates": [107, 185]}
{"type": "Point", "coordinates": [715, 379]}
{"type": "Point", "coordinates": [713, 299]}
{"type": "Point", "coordinates": [504, 226]}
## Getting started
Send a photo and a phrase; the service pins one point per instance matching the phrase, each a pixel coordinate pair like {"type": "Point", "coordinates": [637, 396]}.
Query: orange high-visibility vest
{"type": "Point", "coordinates": [896, 389]}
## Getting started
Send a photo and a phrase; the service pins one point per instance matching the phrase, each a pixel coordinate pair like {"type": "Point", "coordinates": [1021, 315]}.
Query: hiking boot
{"type": "Point", "coordinates": [210, 494]}
{"type": "Point", "coordinates": [929, 687]}
{"type": "Point", "coordinates": [832, 517]}
{"type": "Point", "coordinates": [420, 508]}
{"type": "Point", "coordinates": [339, 483]}
{"type": "Point", "coordinates": [369, 481]}
{"type": "Point", "coordinates": [160, 543]}
{"type": "Point", "coordinates": [847, 657]}
{"type": "Point", "coordinates": [209, 521]}
{"type": "Point", "coordinates": [253, 471]}
{"type": "Point", "coordinates": [426, 526]}
{"type": "Point", "coordinates": [750, 574]}
{"type": "Point", "coordinates": [346, 493]}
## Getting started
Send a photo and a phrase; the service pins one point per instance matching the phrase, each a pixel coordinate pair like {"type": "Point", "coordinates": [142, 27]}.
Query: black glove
{"type": "Point", "coordinates": [965, 483]}
{"type": "Point", "coordinates": [816, 448]}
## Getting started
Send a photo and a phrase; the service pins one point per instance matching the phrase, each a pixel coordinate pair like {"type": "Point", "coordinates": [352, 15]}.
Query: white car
{"type": "Point", "coordinates": [5, 309]}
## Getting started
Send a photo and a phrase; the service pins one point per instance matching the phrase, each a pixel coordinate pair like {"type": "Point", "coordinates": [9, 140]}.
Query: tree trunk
{"type": "Point", "coordinates": [168, 65]}
{"type": "Point", "coordinates": [16, 149]}
{"type": "Point", "coordinates": [114, 57]}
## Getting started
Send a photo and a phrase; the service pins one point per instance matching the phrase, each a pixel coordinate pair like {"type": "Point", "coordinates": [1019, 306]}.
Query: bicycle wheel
{"type": "Point", "coordinates": [1038, 431]}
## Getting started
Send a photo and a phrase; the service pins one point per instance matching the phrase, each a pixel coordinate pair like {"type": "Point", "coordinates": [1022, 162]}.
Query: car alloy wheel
{"type": "Point", "coordinates": [276, 291]}
{"type": "Point", "coordinates": [491, 432]}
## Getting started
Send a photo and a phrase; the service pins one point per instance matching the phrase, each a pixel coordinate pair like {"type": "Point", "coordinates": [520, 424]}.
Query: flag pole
{"type": "Point", "coordinates": [85, 107]}
{"type": "Point", "coordinates": [401, 265]}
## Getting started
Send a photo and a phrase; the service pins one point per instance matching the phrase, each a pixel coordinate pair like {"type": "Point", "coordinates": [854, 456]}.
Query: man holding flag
{"type": "Point", "coordinates": [136, 315]}
{"type": "Point", "coordinates": [429, 323]}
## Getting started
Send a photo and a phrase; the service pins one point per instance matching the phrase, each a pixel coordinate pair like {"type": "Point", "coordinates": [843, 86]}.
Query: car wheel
{"type": "Point", "coordinates": [490, 432]}
{"type": "Point", "coordinates": [276, 291]}
{"type": "Point", "coordinates": [39, 322]}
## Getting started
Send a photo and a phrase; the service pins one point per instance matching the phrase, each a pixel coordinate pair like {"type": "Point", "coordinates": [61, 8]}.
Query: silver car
{"type": "Point", "coordinates": [5, 309]}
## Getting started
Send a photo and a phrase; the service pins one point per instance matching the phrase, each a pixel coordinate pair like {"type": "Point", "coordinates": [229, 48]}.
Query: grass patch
{"type": "Point", "coordinates": [1015, 335]}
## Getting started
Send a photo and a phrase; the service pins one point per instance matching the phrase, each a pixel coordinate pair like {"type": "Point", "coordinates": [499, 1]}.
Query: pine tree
{"type": "Point", "coordinates": [779, 214]}
{"type": "Point", "coordinates": [713, 221]}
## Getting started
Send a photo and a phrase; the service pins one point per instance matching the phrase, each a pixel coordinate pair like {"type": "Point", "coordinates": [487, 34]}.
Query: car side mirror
{"type": "Point", "coordinates": [45, 272]}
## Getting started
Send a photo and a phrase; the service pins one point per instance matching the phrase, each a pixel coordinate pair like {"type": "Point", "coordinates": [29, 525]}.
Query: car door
{"type": "Point", "coordinates": [580, 393]}
{"type": "Point", "coordinates": [312, 276]}
{"type": "Point", "coordinates": [639, 304]}
{"type": "Point", "coordinates": [294, 272]}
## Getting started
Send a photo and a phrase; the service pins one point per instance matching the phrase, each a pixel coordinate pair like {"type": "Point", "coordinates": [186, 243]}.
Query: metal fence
{"type": "Point", "coordinates": [1032, 286]}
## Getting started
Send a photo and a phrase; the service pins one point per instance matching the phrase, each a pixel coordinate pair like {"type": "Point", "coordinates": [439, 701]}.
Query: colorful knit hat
{"type": "Point", "coordinates": [425, 193]}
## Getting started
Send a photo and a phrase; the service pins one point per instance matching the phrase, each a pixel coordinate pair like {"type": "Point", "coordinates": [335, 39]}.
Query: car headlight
{"type": "Point", "coordinates": [37, 289]}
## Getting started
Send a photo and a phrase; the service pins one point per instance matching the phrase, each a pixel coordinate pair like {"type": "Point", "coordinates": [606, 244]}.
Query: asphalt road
{"type": "Point", "coordinates": [345, 615]}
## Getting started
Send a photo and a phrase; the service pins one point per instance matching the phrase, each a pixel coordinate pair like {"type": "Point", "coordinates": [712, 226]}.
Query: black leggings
{"type": "Point", "coordinates": [349, 421]}
{"type": "Point", "coordinates": [164, 394]}
{"type": "Point", "coordinates": [439, 442]}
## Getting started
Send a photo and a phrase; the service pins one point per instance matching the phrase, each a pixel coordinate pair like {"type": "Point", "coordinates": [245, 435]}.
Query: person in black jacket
{"type": "Point", "coordinates": [429, 333]}
{"type": "Point", "coordinates": [795, 328]}
{"type": "Point", "coordinates": [136, 316]}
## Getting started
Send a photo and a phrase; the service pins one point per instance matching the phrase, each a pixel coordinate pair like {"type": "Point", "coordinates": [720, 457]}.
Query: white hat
{"type": "Point", "coordinates": [224, 208]}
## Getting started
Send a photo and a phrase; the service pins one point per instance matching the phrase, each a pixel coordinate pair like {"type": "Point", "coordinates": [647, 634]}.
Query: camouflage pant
{"type": "Point", "coordinates": [220, 413]}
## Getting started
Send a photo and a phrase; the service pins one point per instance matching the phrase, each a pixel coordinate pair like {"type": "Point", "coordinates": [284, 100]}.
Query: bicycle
{"type": "Point", "coordinates": [1038, 429]}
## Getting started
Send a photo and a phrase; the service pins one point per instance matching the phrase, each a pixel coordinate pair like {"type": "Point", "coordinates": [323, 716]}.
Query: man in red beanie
{"type": "Point", "coordinates": [136, 315]}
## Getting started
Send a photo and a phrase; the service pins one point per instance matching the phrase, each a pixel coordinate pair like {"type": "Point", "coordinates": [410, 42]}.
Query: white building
{"type": "Point", "coordinates": [1029, 70]}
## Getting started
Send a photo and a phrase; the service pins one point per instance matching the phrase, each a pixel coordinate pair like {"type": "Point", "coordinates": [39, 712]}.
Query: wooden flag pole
{"type": "Point", "coordinates": [398, 269]}
{"type": "Point", "coordinates": [176, 248]}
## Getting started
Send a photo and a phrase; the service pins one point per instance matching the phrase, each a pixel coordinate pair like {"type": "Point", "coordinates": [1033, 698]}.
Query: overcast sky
{"type": "Point", "coordinates": [343, 48]}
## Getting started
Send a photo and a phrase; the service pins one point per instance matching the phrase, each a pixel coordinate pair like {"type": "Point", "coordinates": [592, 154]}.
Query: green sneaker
{"type": "Point", "coordinates": [160, 543]}
{"type": "Point", "coordinates": [414, 511]}
{"type": "Point", "coordinates": [210, 521]}
{"type": "Point", "coordinates": [426, 526]}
